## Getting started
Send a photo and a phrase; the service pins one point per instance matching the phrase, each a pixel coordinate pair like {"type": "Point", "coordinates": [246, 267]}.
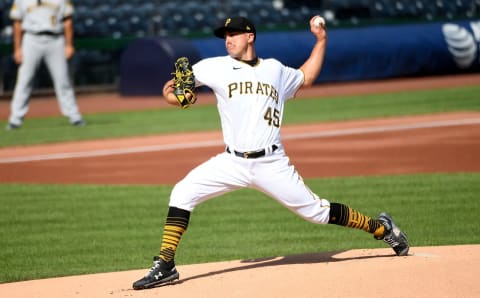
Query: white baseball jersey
{"type": "Point", "coordinates": [41, 15]}
{"type": "Point", "coordinates": [250, 101]}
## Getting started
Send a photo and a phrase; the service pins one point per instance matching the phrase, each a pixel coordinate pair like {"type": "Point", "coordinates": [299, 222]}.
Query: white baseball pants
{"type": "Point", "coordinates": [272, 175]}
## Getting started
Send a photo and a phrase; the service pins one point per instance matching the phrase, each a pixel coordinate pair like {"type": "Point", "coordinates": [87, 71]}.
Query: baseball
{"type": "Point", "coordinates": [318, 21]}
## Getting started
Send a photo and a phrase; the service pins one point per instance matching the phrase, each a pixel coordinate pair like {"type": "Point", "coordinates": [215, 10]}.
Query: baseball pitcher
{"type": "Point", "coordinates": [251, 93]}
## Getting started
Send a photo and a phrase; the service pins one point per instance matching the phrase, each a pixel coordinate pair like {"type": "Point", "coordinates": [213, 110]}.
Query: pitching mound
{"type": "Point", "coordinates": [446, 271]}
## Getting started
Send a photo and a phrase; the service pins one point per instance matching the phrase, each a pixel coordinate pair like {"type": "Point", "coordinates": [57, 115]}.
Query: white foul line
{"type": "Point", "coordinates": [397, 127]}
{"type": "Point", "coordinates": [294, 136]}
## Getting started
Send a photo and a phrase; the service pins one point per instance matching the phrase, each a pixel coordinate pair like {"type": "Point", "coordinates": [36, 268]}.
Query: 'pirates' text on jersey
{"type": "Point", "coordinates": [236, 84]}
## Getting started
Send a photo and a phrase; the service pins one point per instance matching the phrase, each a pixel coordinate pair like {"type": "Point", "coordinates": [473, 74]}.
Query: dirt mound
{"type": "Point", "coordinates": [445, 271]}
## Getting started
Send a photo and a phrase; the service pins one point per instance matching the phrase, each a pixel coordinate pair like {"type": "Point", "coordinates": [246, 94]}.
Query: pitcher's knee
{"type": "Point", "coordinates": [182, 196]}
{"type": "Point", "coordinates": [317, 212]}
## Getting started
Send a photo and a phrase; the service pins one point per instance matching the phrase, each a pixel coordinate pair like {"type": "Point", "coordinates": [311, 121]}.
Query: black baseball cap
{"type": "Point", "coordinates": [239, 24]}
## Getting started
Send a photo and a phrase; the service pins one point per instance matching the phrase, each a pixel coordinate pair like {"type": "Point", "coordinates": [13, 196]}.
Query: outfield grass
{"type": "Point", "coordinates": [198, 118]}
{"type": "Point", "coordinates": [54, 230]}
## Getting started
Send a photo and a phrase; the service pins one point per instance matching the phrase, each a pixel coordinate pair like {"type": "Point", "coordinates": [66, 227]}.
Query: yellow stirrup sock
{"type": "Point", "coordinates": [345, 216]}
{"type": "Point", "coordinates": [176, 224]}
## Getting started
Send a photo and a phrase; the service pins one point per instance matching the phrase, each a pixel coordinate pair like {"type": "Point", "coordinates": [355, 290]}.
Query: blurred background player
{"type": "Point", "coordinates": [43, 31]}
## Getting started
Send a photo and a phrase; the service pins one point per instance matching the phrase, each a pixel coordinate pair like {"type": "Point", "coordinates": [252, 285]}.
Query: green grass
{"type": "Point", "coordinates": [159, 121]}
{"type": "Point", "coordinates": [385, 105]}
{"type": "Point", "coordinates": [55, 230]}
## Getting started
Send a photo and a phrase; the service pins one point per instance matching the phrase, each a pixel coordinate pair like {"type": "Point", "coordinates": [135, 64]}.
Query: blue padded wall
{"type": "Point", "coordinates": [147, 63]}
{"type": "Point", "coordinates": [354, 54]}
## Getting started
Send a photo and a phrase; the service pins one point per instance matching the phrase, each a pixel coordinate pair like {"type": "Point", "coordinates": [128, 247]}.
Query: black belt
{"type": "Point", "coordinates": [252, 154]}
{"type": "Point", "coordinates": [49, 33]}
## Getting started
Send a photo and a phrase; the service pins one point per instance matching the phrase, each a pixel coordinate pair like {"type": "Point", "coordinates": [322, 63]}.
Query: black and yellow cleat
{"type": "Point", "coordinates": [160, 273]}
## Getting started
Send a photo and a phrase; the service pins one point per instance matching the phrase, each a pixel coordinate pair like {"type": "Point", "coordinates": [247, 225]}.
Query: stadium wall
{"type": "Point", "coordinates": [353, 54]}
